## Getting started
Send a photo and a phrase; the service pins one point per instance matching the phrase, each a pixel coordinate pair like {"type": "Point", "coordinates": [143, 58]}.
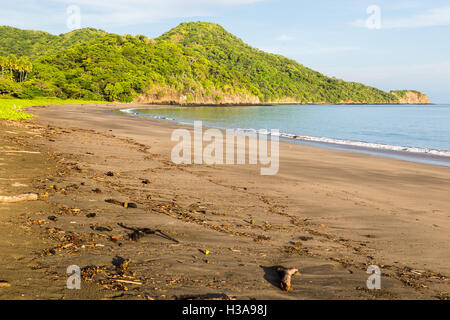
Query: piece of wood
{"type": "Point", "coordinates": [22, 197]}
{"type": "Point", "coordinates": [139, 232]}
{"type": "Point", "coordinates": [19, 151]}
{"type": "Point", "coordinates": [127, 281]}
{"type": "Point", "coordinates": [122, 204]}
{"type": "Point", "coordinates": [286, 276]}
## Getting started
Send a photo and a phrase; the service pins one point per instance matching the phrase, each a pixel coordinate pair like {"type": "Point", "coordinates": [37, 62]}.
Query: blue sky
{"type": "Point", "coordinates": [410, 50]}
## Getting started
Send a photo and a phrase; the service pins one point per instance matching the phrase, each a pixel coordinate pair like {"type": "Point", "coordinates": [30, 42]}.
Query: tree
{"type": "Point", "coordinates": [113, 91]}
{"type": "Point", "coordinates": [199, 60]}
{"type": "Point", "coordinates": [12, 63]}
{"type": "Point", "coordinates": [20, 67]}
{"type": "Point", "coordinates": [27, 68]}
{"type": "Point", "coordinates": [24, 67]}
{"type": "Point", "coordinates": [3, 65]}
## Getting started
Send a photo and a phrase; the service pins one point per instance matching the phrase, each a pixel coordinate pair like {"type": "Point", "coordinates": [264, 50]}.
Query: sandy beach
{"type": "Point", "coordinates": [215, 230]}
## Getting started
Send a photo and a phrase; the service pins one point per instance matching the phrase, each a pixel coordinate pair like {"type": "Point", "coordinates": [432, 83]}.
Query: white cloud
{"type": "Point", "coordinates": [360, 23]}
{"type": "Point", "coordinates": [108, 13]}
{"type": "Point", "coordinates": [432, 18]}
{"type": "Point", "coordinates": [285, 37]}
{"type": "Point", "coordinates": [148, 3]}
{"type": "Point", "coordinates": [319, 50]}
{"type": "Point", "coordinates": [308, 49]}
{"type": "Point", "coordinates": [121, 12]}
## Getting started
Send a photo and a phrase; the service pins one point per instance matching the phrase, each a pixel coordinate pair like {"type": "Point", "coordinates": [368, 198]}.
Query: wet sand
{"type": "Point", "coordinates": [328, 213]}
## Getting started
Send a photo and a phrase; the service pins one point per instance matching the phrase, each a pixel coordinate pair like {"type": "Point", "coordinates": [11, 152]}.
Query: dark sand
{"type": "Point", "coordinates": [328, 213]}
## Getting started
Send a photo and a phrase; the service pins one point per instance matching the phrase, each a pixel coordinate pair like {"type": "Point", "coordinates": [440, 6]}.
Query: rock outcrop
{"type": "Point", "coordinates": [166, 95]}
{"type": "Point", "coordinates": [411, 97]}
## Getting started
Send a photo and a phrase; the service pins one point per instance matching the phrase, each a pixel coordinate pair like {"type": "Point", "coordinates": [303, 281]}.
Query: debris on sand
{"type": "Point", "coordinates": [101, 228]}
{"type": "Point", "coordinates": [66, 241]}
{"type": "Point", "coordinates": [113, 201]}
{"type": "Point", "coordinates": [91, 215]}
{"type": "Point", "coordinates": [260, 238]}
{"type": "Point", "coordinates": [444, 296]}
{"type": "Point", "coordinates": [121, 264]}
{"type": "Point", "coordinates": [213, 296]}
{"type": "Point", "coordinates": [111, 279]}
{"type": "Point", "coordinates": [122, 204]}
{"type": "Point", "coordinates": [89, 272]}
{"type": "Point", "coordinates": [286, 275]}
{"type": "Point", "coordinates": [4, 284]}
{"type": "Point", "coordinates": [114, 238]}
{"type": "Point", "coordinates": [19, 198]}
{"type": "Point", "coordinates": [109, 174]}
{"type": "Point", "coordinates": [140, 232]}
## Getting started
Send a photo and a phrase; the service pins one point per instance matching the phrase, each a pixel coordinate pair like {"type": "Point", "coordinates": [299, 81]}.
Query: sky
{"type": "Point", "coordinates": [388, 44]}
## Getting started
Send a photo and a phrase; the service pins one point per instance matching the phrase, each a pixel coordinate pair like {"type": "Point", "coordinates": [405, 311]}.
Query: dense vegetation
{"type": "Point", "coordinates": [402, 93]}
{"type": "Point", "coordinates": [33, 43]}
{"type": "Point", "coordinates": [15, 69]}
{"type": "Point", "coordinates": [270, 77]}
{"type": "Point", "coordinates": [197, 61]}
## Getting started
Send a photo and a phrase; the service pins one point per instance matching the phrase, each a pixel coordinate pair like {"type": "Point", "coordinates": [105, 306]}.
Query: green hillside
{"type": "Point", "coordinates": [194, 63]}
{"type": "Point", "coordinates": [33, 43]}
{"type": "Point", "coordinates": [270, 77]}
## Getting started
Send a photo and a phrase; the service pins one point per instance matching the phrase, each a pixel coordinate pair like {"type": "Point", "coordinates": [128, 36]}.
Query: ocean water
{"type": "Point", "coordinates": [411, 132]}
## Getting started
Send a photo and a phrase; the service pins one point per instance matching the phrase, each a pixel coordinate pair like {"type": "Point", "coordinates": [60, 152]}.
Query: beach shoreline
{"type": "Point", "coordinates": [408, 153]}
{"type": "Point", "coordinates": [329, 213]}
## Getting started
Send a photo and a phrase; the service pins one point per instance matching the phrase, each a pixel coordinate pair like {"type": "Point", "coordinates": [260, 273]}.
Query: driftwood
{"type": "Point", "coordinates": [286, 275]}
{"type": "Point", "coordinates": [19, 151]}
{"type": "Point", "coordinates": [139, 232]}
{"type": "Point", "coordinates": [212, 296]}
{"type": "Point", "coordinates": [101, 228]}
{"type": "Point", "coordinates": [128, 281]}
{"type": "Point", "coordinates": [122, 204]}
{"type": "Point", "coordinates": [22, 197]}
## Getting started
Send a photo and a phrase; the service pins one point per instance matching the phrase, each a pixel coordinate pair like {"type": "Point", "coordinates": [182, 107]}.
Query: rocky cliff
{"type": "Point", "coordinates": [411, 97]}
{"type": "Point", "coordinates": [167, 95]}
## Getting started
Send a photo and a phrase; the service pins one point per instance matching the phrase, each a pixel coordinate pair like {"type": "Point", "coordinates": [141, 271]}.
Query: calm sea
{"type": "Point", "coordinates": [412, 132]}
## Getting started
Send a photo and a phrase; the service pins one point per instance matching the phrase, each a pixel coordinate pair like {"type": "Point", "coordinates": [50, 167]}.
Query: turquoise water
{"type": "Point", "coordinates": [418, 129]}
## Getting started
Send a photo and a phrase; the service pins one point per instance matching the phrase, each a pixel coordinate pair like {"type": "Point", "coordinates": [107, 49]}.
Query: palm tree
{"type": "Point", "coordinates": [28, 68]}
{"type": "Point", "coordinates": [3, 64]}
{"type": "Point", "coordinates": [12, 63]}
{"type": "Point", "coordinates": [22, 66]}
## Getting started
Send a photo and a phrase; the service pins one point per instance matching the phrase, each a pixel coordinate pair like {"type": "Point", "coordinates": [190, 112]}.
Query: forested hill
{"type": "Point", "coordinates": [196, 63]}
{"type": "Point", "coordinates": [32, 43]}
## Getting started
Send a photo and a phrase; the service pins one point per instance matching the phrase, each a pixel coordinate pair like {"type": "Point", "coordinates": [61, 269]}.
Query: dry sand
{"type": "Point", "coordinates": [328, 213]}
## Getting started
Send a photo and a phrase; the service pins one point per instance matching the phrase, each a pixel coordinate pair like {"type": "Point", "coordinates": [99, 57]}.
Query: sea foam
{"type": "Point", "coordinates": [333, 141]}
